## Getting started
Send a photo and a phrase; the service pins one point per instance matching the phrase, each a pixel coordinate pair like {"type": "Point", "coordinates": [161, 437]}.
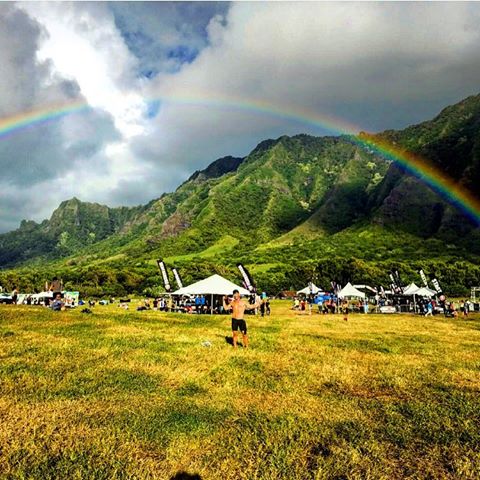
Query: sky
{"type": "Point", "coordinates": [170, 86]}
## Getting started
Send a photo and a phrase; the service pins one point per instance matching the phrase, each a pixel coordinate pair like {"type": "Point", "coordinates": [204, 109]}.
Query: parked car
{"type": "Point", "coordinates": [5, 298]}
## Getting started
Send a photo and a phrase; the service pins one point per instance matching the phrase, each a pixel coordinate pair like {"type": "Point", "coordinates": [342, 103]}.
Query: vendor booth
{"type": "Point", "coordinates": [349, 291]}
{"type": "Point", "coordinates": [213, 286]}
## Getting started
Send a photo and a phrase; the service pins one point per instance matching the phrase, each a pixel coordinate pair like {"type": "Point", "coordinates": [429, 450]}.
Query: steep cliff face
{"type": "Point", "coordinates": [289, 186]}
{"type": "Point", "coordinates": [72, 226]}
{"type": "Point", "coordinates": [451, 141]}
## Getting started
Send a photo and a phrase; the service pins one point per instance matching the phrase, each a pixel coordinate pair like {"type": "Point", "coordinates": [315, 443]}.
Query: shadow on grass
{"type": "Point", "coordinates": [229, 340]}
{"type": "Point", "coordinates": [186, 476]}
{"type": "Point", "coordinates": [163, 424]}
{"type": "Point", "coordinates": [33, 382]}
{"type": "Point", "coordinates": [388, 345]}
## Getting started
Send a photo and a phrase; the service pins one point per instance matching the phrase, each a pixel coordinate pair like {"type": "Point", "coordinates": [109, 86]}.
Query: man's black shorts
{"type": "Point", "coordinates": [239, 325]}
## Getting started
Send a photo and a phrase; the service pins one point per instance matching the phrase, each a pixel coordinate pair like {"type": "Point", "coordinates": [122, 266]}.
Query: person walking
{"type": "Point", "coordinates": [345, 310]}
{"type": "Point", "coordinates": [429, 309]}
{"type": "Point", "coordinates": [14, 296]}
{"type": "Point", "coordinates": [310, 303]}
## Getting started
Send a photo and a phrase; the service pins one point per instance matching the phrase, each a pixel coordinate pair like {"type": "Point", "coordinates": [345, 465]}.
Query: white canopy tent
{"type": "Point", "coordinates": [413, 290]}
{"type": "Point", "coordinates": [307, 290]}
{"type": "Point", "coordinates": [42, 295]}
{"type": "Point", "coordinates": [350, 291]}
{"type": "Point", "coordinates": [213, 285]}
{"type": "Point", "coordinates": [366, 287]}
{"type": "Point", "coordinates": [424, 292]}
{"type": "Point", "coordinates": [410, 289]}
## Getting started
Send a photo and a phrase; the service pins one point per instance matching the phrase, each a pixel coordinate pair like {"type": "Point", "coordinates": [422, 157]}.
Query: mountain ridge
{"type": "Point", "coordinates": [304, 191]}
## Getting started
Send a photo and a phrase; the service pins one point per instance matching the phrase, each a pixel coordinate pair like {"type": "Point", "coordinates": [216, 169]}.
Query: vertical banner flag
{"type": "Point", "coordinates": [247, 279]}
{"type": "Point", "coordinates": [424, 278]}
{"type": "Point", "coordinates": [163, 271]}
{"type": "Point", "coordinates": [393, 285]}
{"type": "Point", "coordinates": [398, 281]}
{"type": "Point", "coordinates": [436, 285]}
{"type": "Point", "coordinates": [310, 287]}
{"type": "Point", "coordinates": [177, 278]}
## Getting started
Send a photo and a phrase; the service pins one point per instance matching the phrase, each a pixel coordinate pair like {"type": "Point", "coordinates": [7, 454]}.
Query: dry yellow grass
{"type": "Point", "coordinates": [120, 394]}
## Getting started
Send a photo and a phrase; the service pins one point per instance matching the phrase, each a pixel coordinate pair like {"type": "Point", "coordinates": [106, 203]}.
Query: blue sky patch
{"type": "Point", "coordinates": [165, 35]}
{"type": "Point", "coordinates": [153, 107]}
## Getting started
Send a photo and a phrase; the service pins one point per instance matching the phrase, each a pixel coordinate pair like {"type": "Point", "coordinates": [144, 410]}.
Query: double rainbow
{"type": "Point", "coordinates": [419, 167]}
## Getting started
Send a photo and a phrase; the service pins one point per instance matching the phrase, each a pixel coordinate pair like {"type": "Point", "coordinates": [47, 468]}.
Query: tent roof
{"type": "Point", "coordinates": [306, 290]}
{"type": "Point", "coordinates": [42, 295]}
{"type": "Point", "coordinates": [425, 292]}
{"type": "Point", "coordinates": [213, 285]}
{"type": "Point", "coordinates": [350, 291]}
{"type": "Point", "coordinates": [410, 289]}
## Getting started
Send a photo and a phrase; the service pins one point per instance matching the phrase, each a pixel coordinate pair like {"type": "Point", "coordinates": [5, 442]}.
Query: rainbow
{"type": "Point", "coordinates": [21, 121]}
{"type": "Point", "coordinates": [414, 164]}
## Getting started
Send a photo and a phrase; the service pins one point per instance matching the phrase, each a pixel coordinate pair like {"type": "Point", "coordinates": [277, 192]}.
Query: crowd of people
{"type": "Point", "coordinates": [423, 306]}
{"type": "Point", "coordinates": [430, 307]}
{"type": "Point", "coordinates": [305, 304]}
{"type": "Point", "coordinates": [198, 304]}
{"type": "Point", "coordinates": [53, 297]}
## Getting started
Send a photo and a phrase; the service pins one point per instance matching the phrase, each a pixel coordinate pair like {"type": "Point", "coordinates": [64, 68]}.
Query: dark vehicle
{"type": "Point", "coordinates": [4, 298]}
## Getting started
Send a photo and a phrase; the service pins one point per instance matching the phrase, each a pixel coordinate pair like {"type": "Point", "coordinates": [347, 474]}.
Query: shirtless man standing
{"type": "Point", "coordinates": [238, 307]}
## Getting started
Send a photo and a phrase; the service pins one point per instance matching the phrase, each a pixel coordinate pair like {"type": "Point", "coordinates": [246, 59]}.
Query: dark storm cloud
{"type": "Point", "coordinates": [35, 158]}
{"type": "Point", "coordinates": [369, 65]}
{"type": "Point", "coordinates": [374, 66]}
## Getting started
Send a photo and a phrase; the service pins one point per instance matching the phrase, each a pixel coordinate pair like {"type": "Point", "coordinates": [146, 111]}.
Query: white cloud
{"type": "Point", "coordinates": [37, 162]}
{"type": "Point", "coordinates": [375, 65]}
{"type": "Point", "coordinates": [83, 44]}
{"type": "Point", "coordinates": [326, 55]}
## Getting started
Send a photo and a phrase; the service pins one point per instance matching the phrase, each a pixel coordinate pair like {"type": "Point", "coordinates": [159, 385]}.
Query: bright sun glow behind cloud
{"type": "Point", "coordinates": [86, 47]}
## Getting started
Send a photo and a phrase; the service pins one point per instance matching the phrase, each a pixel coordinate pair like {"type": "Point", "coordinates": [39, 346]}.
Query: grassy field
{"type": "Point", "coordinates": [123, 394]}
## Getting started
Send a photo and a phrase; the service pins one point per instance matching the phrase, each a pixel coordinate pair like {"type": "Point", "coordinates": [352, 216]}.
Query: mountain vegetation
{"type": "Point", "coordinates": [295, 209]}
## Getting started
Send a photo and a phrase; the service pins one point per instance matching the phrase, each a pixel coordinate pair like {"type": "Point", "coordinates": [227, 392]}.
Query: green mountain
{"type": "Point", "coordinates": [73, 225]}
{"type": "Point", "coordinates": [452, 142]}
{"type": "Point", "coordinates": [294, 209]}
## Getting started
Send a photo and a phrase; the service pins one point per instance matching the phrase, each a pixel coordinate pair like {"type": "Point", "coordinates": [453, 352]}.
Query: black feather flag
{"type": "Point", "coordinates": [247, 278]}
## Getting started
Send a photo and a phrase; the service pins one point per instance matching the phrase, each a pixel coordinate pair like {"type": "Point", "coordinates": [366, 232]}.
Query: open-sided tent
{"type": "Point", "coordinates": [410, 289]}
{"type": "Point", "coordinates": [413, 290]}
{"type": "Point", "coordinates": [307, 290]}
{"type": "Point", "coordinates": [213, 285]}
{"type": "Point", "coordinates": [350, 291]}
